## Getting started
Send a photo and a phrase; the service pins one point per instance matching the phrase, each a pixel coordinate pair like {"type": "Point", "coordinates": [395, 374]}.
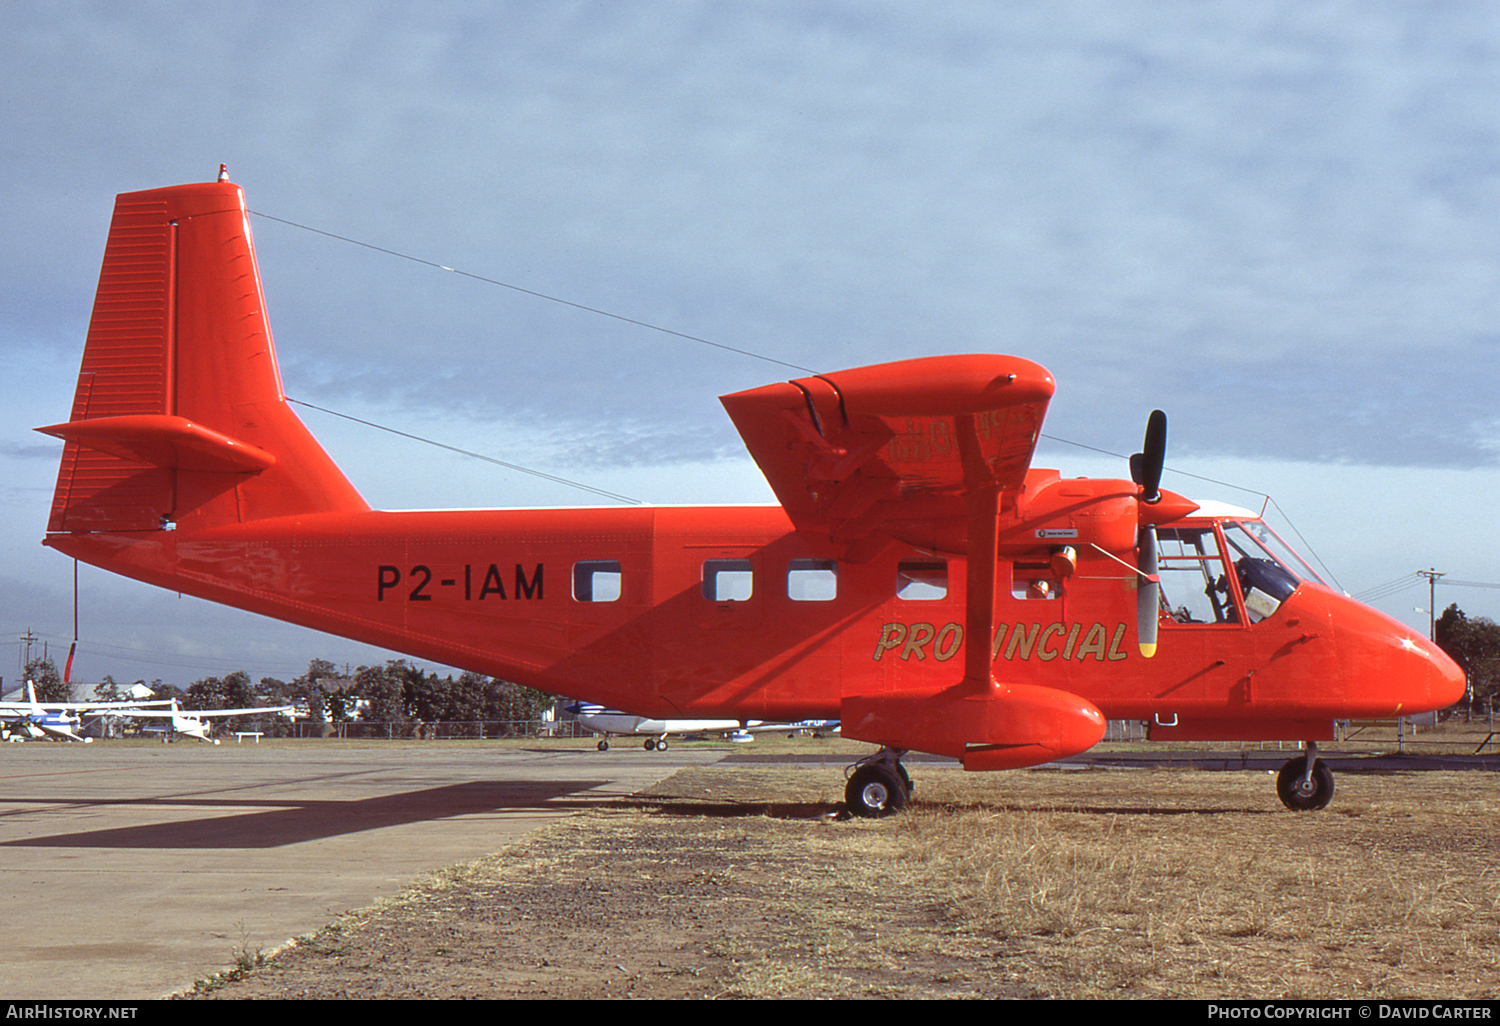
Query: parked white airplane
{"type": "Point", "coordinates": [614, 723]}
{"type": "Point", "coordinates": [196, 722]}
{"type": "Point", "coordinates": [20, 721]}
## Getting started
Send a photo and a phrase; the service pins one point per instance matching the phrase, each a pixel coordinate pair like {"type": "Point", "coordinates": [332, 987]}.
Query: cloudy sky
{"type": "Point", "coordinates": [1277, 221]}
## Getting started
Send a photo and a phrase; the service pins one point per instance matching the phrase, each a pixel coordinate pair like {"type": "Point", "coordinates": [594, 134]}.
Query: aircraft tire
{"type": "Point", "coordinates": [603, 745]}
{"type": "Point", "coordinates": [875, 791]}
{"type": "Point", "coordinates": [650, 744]}
{"type": "Point", "coordinates": [1294, 792]}
{"type": "Point", "coordinates": [661, 746]}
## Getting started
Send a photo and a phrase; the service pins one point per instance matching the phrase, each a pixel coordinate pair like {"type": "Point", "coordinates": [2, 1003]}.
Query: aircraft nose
{"type": "Point", "coordinates": [1397, 671]}
{"type": "Point", "coordinates": [1449, 684]}
{"type": "Point", "coordinates": [1430, 679]}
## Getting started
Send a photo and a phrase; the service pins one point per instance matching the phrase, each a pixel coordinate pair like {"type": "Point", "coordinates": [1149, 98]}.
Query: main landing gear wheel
{"type": "Point", "coordinates": [1302, 793]}
{"type": "Point", "coordinates": [603, 745]}
{"type": "Point", "coordinates": [876, 789]}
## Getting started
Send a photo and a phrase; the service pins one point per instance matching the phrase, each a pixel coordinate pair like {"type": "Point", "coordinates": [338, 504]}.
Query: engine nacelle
{"type": "Point", "coordinates": [1004, 726]}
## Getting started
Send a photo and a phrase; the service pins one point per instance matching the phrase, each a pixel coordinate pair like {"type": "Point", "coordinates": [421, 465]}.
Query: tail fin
{"type": "Point", "coordinates": [179, 415]}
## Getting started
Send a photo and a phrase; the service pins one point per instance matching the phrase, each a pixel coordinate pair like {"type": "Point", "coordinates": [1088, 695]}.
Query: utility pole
{"type": "Point", "coordinates": [1432, 576]}
{"type": "Point", "coordinates": [28, 638]}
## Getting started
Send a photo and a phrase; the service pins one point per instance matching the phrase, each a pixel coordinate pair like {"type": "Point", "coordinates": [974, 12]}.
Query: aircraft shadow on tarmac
{"type": "Point", "coordinates": [271, 822]}
{"type": "Point", "coordinates": [815, 810]}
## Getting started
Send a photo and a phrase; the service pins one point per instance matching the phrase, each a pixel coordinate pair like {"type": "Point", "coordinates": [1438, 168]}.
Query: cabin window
{"type": "Point", "coordinates": [812, 580]}
{"type": "Point", "coordinates": [727, 580]}
{"type": "Point", "coordinates": [1194, 587]}
{"type": "Point", "coordinates": [922, 580]}
{"type": "Point", "coordinates": [596, 580]}
{"type": "Point", "coordinates": [1034, 581]}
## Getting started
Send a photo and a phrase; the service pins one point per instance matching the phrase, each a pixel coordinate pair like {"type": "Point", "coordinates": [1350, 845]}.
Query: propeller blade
{"type": "Point", "coordinates": [1147, 594]}
{"type": "Point", "coordinates": [1146, 465]}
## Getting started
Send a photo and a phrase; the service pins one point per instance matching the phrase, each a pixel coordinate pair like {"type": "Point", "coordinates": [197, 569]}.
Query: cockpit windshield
{"type": "Point", "coordinates": [1254, 538]}
{"type": "Point", "coordinates": [1267, 568]}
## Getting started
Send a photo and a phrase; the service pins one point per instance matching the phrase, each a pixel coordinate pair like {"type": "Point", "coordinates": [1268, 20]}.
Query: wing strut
{"type": "Point", "coordinates": [982, 493]}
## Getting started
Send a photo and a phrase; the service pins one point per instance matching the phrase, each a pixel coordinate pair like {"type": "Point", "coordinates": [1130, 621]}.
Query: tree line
{"type": "Point", "coordinates": [397, 694]}
{"type": "Point", "coordinates": [1474, 644]}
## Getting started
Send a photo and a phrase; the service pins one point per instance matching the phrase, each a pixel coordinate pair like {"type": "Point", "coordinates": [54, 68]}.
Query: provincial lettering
{"type": "Point", "coordinates": [1093, 643]}
{"type": "Point", "coordinates": [1021, 641]}
{"type": "Point", "coordinates": [891, 635]}
{"type": "Point", "coordinates": [943, 651]}
{"type": "Point", "coordinates": [1017, 642]}
{"type": "Point", "coordinates": [919, 635]}
{"type": "Point", "coordinates": [1052, 630]}
{"type": "Point", "coordinates": [999, 640]}
{"type": "Point", "coordinates": [1114, 644]}
{"type": "Point", "coordinates": [1068, 645]}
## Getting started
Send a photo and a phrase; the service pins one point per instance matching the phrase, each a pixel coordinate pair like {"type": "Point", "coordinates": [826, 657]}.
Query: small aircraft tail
{"type": "Point", "coordinates": [179, 417]}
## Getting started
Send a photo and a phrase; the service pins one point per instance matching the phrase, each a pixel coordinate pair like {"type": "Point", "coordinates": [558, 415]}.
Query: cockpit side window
{"type": "Point", "coordinates": [1195, 587]}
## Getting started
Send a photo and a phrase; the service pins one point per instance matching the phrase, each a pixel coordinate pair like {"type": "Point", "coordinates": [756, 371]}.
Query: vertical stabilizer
{"type": "Point", "coordinates": [179, 417]}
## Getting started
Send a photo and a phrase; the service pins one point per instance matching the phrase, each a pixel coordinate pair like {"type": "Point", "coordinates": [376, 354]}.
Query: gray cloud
{"type": "Point", "coordinates": [1273, 220]}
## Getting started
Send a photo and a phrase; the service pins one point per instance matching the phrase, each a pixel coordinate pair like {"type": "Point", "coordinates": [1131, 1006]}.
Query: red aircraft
{"type": "Point", "coordinates": [910, 526]}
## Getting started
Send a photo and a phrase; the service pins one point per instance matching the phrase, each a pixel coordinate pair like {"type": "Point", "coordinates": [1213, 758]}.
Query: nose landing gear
{"type": "Point", "coordinates": [1305, 784]}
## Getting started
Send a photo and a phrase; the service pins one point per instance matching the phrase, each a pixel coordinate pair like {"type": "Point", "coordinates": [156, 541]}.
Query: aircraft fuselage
{"type": "Point", "coordinates": [730, 612]}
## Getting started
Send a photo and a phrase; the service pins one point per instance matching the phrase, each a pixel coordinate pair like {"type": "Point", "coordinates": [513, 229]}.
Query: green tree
{"type": "Point", "coordinates": [424, 695]}
{"type": "Point", "coordinates": [383, 687]}
{"type": "Point", "coordinates": [1475, 646]}
{"type": "Point", "coordinates": [314, 688]}
{"type": "Point", "coordinates": [231, 692]}
{"type": "Point", "coordinates": [107, 690]}
{"type": "Point", "coordinates": [49, 683]}
{"type": "Point", "coordinates": [513, 702]}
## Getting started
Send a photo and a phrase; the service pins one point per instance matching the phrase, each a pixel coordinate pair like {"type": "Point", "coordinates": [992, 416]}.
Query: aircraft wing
{"type": "Point", "coordinates": [895, 448]}
{"type": "Point", "coordinates": [210, 714]}
{"type": "Point", "coordinates": [204, 714]}
{"type": "Point", "coordinates": [21, 708]}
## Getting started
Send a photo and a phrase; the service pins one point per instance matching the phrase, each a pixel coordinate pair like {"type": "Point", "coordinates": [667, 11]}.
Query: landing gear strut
{"type": "Point", "coordinates": [879, 785]}
{"type": "Point", "coordinates": [1305, 784]}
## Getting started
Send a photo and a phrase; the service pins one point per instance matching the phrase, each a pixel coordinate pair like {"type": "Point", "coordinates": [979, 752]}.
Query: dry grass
{"type": "Point", "coordinates": [1153, 884]}
{"type": "Point", "coordinates": [1128, 884]}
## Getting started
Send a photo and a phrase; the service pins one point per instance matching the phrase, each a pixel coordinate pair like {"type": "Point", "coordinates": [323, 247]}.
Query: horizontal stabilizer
{"type": "Point", "coordinates": [164, 441]}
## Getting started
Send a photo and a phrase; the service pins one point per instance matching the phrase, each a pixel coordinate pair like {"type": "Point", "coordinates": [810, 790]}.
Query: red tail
{"type": "Point", "coordinates": [179, 415]}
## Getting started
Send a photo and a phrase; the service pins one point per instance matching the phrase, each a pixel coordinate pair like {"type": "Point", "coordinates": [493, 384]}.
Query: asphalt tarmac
{"type": "Point", "coordinates": [133, 870]}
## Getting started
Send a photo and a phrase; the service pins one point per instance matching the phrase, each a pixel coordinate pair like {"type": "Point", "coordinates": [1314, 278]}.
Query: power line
{"type": "Point", "coordinates": [476, 455]}
{"type": "Point", "coordinates": [538, 295]}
